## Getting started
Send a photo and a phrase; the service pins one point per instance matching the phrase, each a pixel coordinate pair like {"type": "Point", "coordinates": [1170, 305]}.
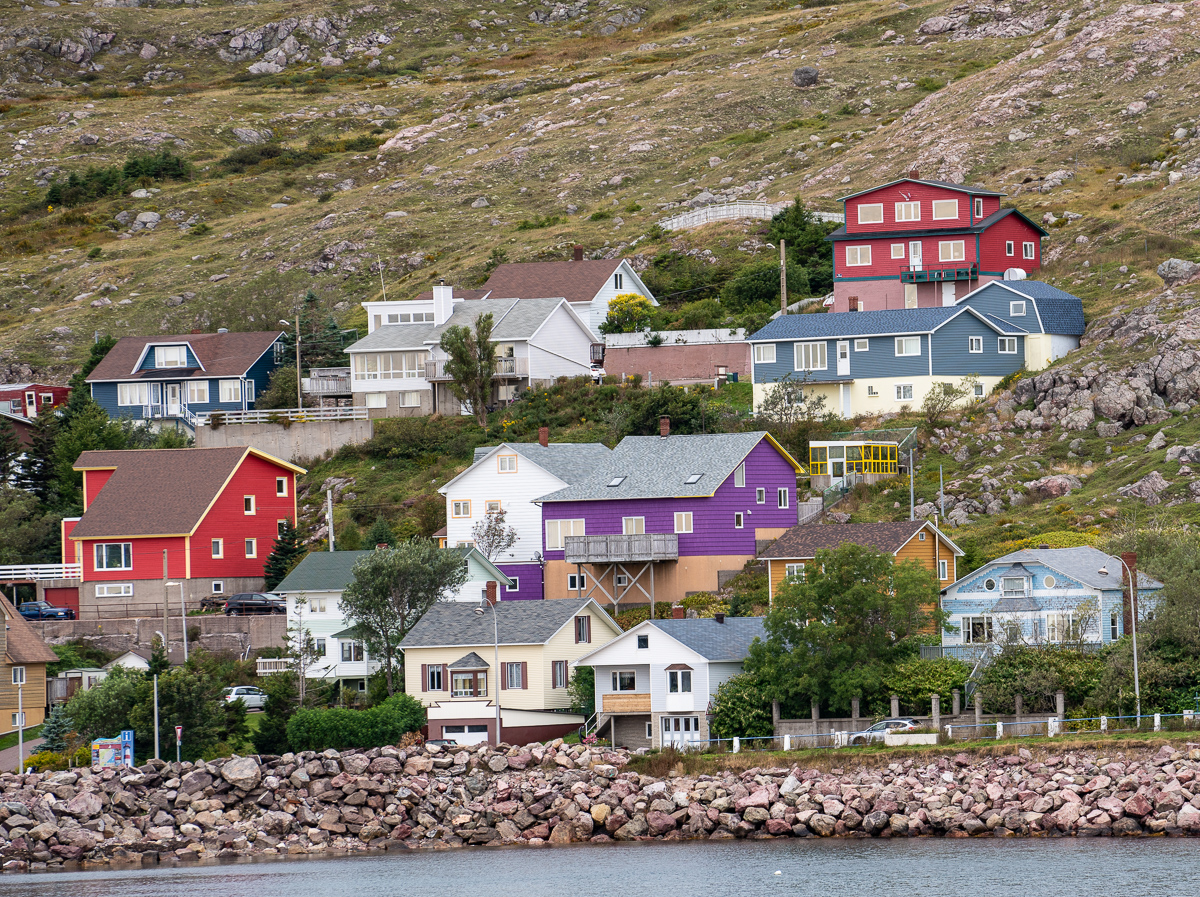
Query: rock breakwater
{"type": "Point", "coordinates": [435, 797]}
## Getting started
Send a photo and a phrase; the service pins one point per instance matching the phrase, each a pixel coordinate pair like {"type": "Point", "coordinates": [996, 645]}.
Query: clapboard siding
{"type": "Point", "coordinates": [992, 255]}
{"type": "Point", "coordinates": [911, 191]}
{"type": "Point", "coordinates": [951, 355]}
{"type": "Point", "coordinates": [561, 348]}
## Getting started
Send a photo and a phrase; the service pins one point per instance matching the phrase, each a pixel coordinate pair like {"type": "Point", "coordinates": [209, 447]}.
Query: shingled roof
{"type": "Point", "coordinates": [729, 641]}
{"type": "Point", "coordinates": [188, 480]}
{"type": "Point", "coordinates": [455, 623]}
{"type": "Point", "coordinates": [221, 354]}
{"type": "Point", "coordinates": [569, 461]}
{"type": "Point", "coordinates": [23, 643]}
{"type": "Point", "coordinates": [805, 540]}
{"type": "Point", "coordinates": [883, 322]}
{"type": "Point", "coordinates": [574, 281]}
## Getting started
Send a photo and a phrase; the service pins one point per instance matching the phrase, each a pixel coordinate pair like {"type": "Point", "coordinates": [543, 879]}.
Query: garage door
{"type": "Point", "coordinates": [465, 734]}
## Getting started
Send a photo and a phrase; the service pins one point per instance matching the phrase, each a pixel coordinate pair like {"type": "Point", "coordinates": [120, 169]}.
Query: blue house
{"type": "Point", "coordinates": [180, 377]}
{"type": "Point", "coordinates": [880, 361]}
{"type": "Point", "coordinates": [1042, 596]}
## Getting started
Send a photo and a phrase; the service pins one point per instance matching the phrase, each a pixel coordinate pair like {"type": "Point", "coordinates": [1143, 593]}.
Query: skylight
{"type": "Point", "coordinates": [694, 478]}
{"type": "Point", "coordinates": [616, 481]}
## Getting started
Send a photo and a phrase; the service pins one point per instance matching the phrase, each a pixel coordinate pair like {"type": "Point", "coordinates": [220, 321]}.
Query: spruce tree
{"type": "Point", "coordinates": [57, 728]}
{"type": "Point", "coordinates": [380, 533]}
{"type": "Point", "coordinates": [10, 450]}
{"type": "Point", "coordinates": [37, 474]}
{"type": "Point", "coordinates": [288, 551]}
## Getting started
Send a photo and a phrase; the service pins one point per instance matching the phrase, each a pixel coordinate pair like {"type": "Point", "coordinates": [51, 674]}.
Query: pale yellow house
{"type": "Point", "coordinates": [450, 665]}
{"type": "Point", "coordinates": [24, 657]}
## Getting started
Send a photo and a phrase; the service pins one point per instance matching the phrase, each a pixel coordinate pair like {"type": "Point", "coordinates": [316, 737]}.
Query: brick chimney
{"type": "Point", "coordinates": [543, 436]}
{"type": "Point", "coordinates": [664, 426]}
{"type": "Point", "coordinates": [678, 612]}
{"type": "Point", "coordinates": [915, 174]}
{"type": "Point", "coordinates": [491, 591]}
{"type": "Point", "coordinates": [577, 256]}
{"type": "Point", "coordinates": [1130, 558]}
{"type": "Point", "coordinates": [720, 618]}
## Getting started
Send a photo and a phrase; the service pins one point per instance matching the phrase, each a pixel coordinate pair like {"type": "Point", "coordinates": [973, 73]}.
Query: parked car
{"type": "Point", "coordinates": [213, 602]}
{"type": "Point", "coordinates": [253, 698]}
{"type": "Point", "coordinates": [881, 728]}
{"type": "Point", "coordinates": [598, 373]}
{"type": "Point", "coordinates": [44, 610]}
{"type": "Point", "coordinates": [245, 603]}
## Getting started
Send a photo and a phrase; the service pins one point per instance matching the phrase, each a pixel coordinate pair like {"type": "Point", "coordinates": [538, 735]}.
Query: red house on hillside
{"type": "Point", "coordinates": [210, 514]}
{"type": "Point", "coordinates": [919, 244]}
{"type": "Point", "coordinates": [26, 399]}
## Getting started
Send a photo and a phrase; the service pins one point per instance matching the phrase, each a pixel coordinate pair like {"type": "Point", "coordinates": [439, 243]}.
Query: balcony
{"type": "Point", "coordinates": [327, 382]}
{"type": "Point", "coordinates": [39, 572]}
{"type": "Point", "coordinates": [621, 549]}
{"type": "Point", "coordinates": [908, 274]}
{"type": "Point", "coordinates": [625, 703]}
{"type": "Point", "coordinates": [505, 369]}
{"type": "Point", "coordinates": [267, 666]}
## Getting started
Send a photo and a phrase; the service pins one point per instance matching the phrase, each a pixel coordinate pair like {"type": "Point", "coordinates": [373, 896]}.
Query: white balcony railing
{"type": "Point", "coordinates": [504, 367]}
{"type": "Point", "coordinates": [278, 415]}
{"type": "Point", "coordinates": [328, 382]}
{"type": "Point", "coordinates": [40, 572]}
{"type": "Point", "coordinates": [267, 666]}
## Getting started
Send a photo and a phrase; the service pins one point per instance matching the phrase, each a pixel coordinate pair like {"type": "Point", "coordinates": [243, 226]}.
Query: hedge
{"type": "Point", "coordinates": [339, 728]}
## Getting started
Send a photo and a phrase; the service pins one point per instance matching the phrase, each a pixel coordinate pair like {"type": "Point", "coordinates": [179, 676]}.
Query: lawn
{"type": "Point", "coordinates": [10, 740]}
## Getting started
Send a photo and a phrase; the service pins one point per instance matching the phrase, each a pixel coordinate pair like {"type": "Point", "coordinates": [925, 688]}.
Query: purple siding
{"type": "Point", "coordinates": [713, 532]}
{"type": "Point", "coordinates": [529, 585]}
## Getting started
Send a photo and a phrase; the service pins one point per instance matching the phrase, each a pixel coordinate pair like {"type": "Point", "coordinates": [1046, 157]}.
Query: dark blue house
{"type": "Point", "coordinates": [181, 377]}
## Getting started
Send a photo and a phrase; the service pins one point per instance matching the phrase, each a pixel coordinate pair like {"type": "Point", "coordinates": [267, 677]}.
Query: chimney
{"type": "Point", "coordinates": [664, 426]}
{"type": "Point", "coordinates": [443, 303]}
{"type": "Point", "coordinates": [222, 330]}
{"type": "Point", "coordinates": [543, 436]}
{"type": "Point", "coordinates": [491, 591]}
{"type": "Point", "coordinates": [915, 174]}
{"type": "Point", "coordinates": [678, 612]}
{"type": "Point", "coordinates": [1130, 606]}
{"type": "Point", "coordinates": [577, 256]}
{"type": "Point", "coordinates": [720, 618]}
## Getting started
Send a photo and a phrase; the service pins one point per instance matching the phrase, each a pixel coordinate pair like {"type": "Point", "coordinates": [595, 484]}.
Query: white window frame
{"type": "Point", "coordinates": [871, 390]}
{"type": "Point", "coordinates": [649, 730]}
{"type": "Point", "coordinates": [618, 677]}
{"type": "Point", "coordinates": [975, 345]}
{"type": "Point", "coordinates": [1056, 622]}
{"type": "Point", "coordinates": [1010, 247]}
{"type": "Point", "coordinates": [170, 356]}
{"type": "Point", "coordinates": [514, 584]}
{"type": "Point", "coordinates": [457, 508]}
{"type": "Point", "coordinates": [873, 216]}
{"type": "Point", "coordinates": [620, 580]}
{"type": "Point", "coordinates": [218, 548]}
{"type": "Point", "coordinates": [683, 521]}
{"type": "Point", "coordinates": [760, 496]}
{"type": "Point", "coordinates": [409, 399]}
{"type": "Point", "coordinates": [492, 506]}
{"type": "Point", "coordinates": [249, 505]}
{"type": "Point", "coordinates": [230, 391]}
{"type": "Point", "coordinates": [739, 475]}
{"type": "Point", "coordinates": [18, 675]}
{"type": "Point", "coordinates": [904, 343]}
{"type": "Point", "coordinates": [862, 345]}
{"type": "Point", "coordinates": [858, 256]}
{"type": "Point", "coordinates": [375, 399]}
{"type": "Point", "coordinates": [197, 392]}
{"type": "Point", "coordinates": [900, 390]}
{"type": "Point", "coordinates": [810, 356]}
{"type": "Point", "coordinates": [967, 625]}
{"type": "Point", "coordinates": [952, 251]}
{"type": "Point", "coordinates": [739, 520]}
{"type": "Point", "coordinates": [618, 281]}
{"type": "Point", "coordinates": [100, 556]}
{"type": "Point", "coordinates": [388, 365]}
{"type": "Point", "coordinates": [133, 394]}
{"type": "Point", "coordinates": [317, 605]}
{"type": "Point", "coordinates": [979, 208]}
{"type": "Point", "coordinates": [897, 250]}
{"type": "Point", "coordinates": [506, 463]}
{"type": "Point", "coordinates": [978, 390]}
{"type": "Point", "coordinates": [783, 496]}
{"type": "Point", "coordinates": [943, 569]}
{"type": "Point", "coordinates": [1017, 308]}
{"type": "Point", "coordinates": [679, 682]}
{"type": "Point", "coordinates": [513, 678]}
{"type": "Point", "coordinates": [558, 530]}
{"type": "Point", "coordinates": [764, 353]}
{"type": "Point", "coordinates": [576, 582]}
{"type": "Point", "coordinates": [1006, 341]}
{"type": "Point", "coordinates": [1028, 251]}
{"type": "Point", "coordinates": [251, 548]}
{"type": "Point", "coordinates": [1007, 590]}
{"type": "Point", "coordinates": [793, 571]}
{"type": "Point", "coordinates": [281, 487]}
{"type": "Point", "coordinates": [908, 211]}
{"type": "Point", "coordinates": [943, 203]}
{"type": "Point", "coordinates": [218, 587]}
{"type": "Point", "coordinates": [114, 590]}
{"type": "Point", "coordinates": [559, 674]}
{"type": "Point", "coordinates": [633, 526]}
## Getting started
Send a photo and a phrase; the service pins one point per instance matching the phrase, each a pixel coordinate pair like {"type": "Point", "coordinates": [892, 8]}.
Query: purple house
{"type": "Point", "coordinates": [665, 515]}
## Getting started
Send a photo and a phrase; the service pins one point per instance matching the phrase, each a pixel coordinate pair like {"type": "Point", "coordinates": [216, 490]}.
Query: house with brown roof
{"type": "Point", "coordinates": [203, 519]}
{"type": "Point", "coordinates": [24, 657]}
{"type": "Point", "coordinates": [916, 540]}
{"type": "Point", "coordinates": [185, 378]}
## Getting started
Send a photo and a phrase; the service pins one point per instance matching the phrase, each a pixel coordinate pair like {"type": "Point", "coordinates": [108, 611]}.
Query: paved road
{"type": "Point", "coordinates": [8, 756]}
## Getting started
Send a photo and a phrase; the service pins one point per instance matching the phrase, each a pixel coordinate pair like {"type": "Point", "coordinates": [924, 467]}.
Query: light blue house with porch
{"type": "Point", "coordinates": [1042, 596]}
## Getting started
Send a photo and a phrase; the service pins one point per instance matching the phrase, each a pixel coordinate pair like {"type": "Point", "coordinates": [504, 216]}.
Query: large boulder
{"type": "Point", "coordinates": [1147, 488]}
{"type": "Point", "coordinates": [84, 805]}
{"type": "Point", "coordinates": [1174, 271]}
{"type": "Point", "coordinates": [243, 773]}
{"type": "Point", "coordinates": [805, 76]}
{"type": "Point", "coordinates": [1055, 486]}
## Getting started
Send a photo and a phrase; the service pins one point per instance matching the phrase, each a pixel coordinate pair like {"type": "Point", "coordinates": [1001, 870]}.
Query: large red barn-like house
{"type": "Point", "coordinates": [914, 243]}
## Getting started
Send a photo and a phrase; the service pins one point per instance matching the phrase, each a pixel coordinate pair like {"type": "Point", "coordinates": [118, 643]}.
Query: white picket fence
{"type": "Point", "coordinates": [738, 209]}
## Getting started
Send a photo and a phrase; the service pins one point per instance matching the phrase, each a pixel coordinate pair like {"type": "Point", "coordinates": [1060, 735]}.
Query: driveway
{"type": "Point", "coordinates": [8, 756]}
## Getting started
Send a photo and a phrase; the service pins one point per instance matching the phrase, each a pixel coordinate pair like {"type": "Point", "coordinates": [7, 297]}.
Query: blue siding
{"type": "Point", "coordinates": [260, 373]}
{"type": "Point", "coordinates": [994, 300]}
{"type": "Point", "coordinates": [879, 361]}
{"type": "Point", "coordinates": [148, 361]}
{"type": "Point", "coordinates": [105, 395]}
{"type": "Point", "coordinates": [951, 350]}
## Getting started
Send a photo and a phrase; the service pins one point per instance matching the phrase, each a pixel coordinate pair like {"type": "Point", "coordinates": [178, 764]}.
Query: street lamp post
{"type": "Point", "coordinates": [496, 638]}
{"type": "Point", "coordinates": [1133, 609]}
{"type": "Point", "coordinates": [183, 616]}
{"type": "Point", "coordinates": [299, 393]}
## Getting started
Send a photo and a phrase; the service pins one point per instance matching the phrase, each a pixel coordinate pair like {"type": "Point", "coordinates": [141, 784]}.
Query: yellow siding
{"type": "Point", "coordinates": [33, 696]}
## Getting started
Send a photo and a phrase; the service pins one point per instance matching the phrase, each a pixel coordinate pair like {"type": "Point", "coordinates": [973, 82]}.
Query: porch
{"type": "Point", "coordinates": [504, 369]}
{"type": "Point", "coordinates": [926, 274]}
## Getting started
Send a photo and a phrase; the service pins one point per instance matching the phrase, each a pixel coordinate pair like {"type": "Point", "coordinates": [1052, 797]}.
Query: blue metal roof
{"type": "Point", "coordinates": [857, 323]}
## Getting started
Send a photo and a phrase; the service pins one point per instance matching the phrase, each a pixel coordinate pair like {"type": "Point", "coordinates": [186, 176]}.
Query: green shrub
{"type": "Point", "coordinates": [541, 221]}
{"type": "Point", "coordinates": [928, 84]}
{"type": "Point", "coordinates": [96, 183]}
{"type": "Point", "coordinates": [915, 681]}
{"type": "Point", "coordinates": [338, 728]}
{"type": "Point", "coordinates": [44, 761]}
{"type": "Point", "coordinates": [602, 215]}
{"type": "Point", "coordinates": [741, 709]}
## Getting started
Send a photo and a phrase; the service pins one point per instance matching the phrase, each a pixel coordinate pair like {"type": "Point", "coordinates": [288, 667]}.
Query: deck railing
{"type": "Point", "coordinates": [279, 415]}
{"type": "Point", "coordinates": [39, 572]}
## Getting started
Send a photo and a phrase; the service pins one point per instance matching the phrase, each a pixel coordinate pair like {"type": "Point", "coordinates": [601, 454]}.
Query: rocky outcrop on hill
{"type": "Point", "coordinates": [536, 794]}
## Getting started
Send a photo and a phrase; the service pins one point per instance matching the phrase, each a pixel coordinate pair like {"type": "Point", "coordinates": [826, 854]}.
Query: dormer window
{"type": "Point", "coordinates": [1013, 586]}
{"type": "Point", "coordinates": [1016, 309]}
{"type": "Point", "coordinates": [616, 481]}
{"type": "Point", "coordinates": [170, 356]}
{"type": "Point", "coordinates": [693, 479]}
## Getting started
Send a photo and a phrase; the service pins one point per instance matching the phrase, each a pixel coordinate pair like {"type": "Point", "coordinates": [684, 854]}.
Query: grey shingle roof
{"type": "Point", "coordinates": [395, 337]}
{"type": "Point", "coordinates": [322, 571]}
{"type": "Point", "coordinates": [1061, 312]}
{"type": "Point", "coordinates": [1004, 326]}
{"type": "Point", "coordinates": [977, 228]}
{"type": "Point", "coordinates": [728, 641]}
{"type": "Point", "coordinates": [470, 661]}
{"type": "Point", "coordinates": [569, 461]}
{"type": "Point", "coordinates": [884, 322]}
{"type": "Point", "coordinates": [1081, 564]}
{"type": "Point", "coordinates": [520, 623]}
{"type": "Point", "coordinates": [653, 467]}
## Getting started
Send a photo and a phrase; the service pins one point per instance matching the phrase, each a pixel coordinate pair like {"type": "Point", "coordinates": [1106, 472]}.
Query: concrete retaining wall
{"type": "Point", "coordinates": [217, 632]}
{"type": "Point", "coordinates": [849, 724]}
{"type": "Point", "coordinates": [306, 439]}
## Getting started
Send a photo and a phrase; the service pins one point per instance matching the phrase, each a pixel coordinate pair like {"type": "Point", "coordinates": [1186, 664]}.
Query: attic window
{"type": "Point", "coordinates": [616, 481]}
{"type": "Point", "coordinates": [1016, 309]}
{"type": "Point", "coordinates": [694, 478]}
{"type": "Point", "coordinates": [170, 356]}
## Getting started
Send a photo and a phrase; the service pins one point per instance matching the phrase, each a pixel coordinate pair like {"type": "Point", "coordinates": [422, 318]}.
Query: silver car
{"type": "Point", "coordinates": [881, 728]}
{"type": "Point", "coordinates": [253, 698]}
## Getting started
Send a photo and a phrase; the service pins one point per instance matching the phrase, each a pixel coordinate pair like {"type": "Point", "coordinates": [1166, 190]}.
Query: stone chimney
{"type": "Point", "coordinates": [720, 618]}
{"type": "Point", "coordinates": [443, 303]}
{"type": "Point", "coordinates": [1130, 559]}
{"type": "Point", "coordinates": [915, 174]}
{"type": "Point", "coordinates": [491, 591]}
{"type": "Point", "coordinates": [678, 612]}
{"type": "Point", "coordinates": [543, 436]}
{"type": "Point", "coordinates": [664, 427]}
{"type": "Point", "coordinates": [577, 255]}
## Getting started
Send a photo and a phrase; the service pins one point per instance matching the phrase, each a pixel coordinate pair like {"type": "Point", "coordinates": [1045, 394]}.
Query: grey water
{"type": "Point", "coordinates": [983, 867]}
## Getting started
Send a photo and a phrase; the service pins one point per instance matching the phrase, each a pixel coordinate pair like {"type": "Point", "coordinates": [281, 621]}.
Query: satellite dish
{"type": "Point", "coordinates": [828, 303]}
{"type": "Point", "coordinates": [1015, 274]}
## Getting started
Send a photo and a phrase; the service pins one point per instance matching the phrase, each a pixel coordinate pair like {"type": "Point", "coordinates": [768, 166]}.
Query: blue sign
{"type": "Point", "coordinates": [113, 752]}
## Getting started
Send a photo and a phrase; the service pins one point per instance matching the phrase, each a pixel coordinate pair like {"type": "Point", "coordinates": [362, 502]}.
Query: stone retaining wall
{"type": "Point", "coordinates": [390, 798]}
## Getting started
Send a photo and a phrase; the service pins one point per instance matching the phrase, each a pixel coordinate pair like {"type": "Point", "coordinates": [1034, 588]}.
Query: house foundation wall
{"type": "Point", "coordinates": [300, 440]}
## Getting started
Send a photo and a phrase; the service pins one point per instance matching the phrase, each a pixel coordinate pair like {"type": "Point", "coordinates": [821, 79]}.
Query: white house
{"type": "Point", "coordinates": [511, 477]}
{"type": "Point", "coordinates": [654, 683]}
{"type": "Point", "coordinates": [314, 590]}
{"type": "Point", "coordinates": [399, 367]}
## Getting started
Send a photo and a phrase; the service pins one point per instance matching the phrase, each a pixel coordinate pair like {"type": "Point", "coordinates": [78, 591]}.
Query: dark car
{"type": "Point", "coordinates": [44, 610]}
{"type": "Point", "coordinates": [246, 603]}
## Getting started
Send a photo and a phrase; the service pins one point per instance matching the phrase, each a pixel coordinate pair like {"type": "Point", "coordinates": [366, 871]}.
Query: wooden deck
{"type": "Point", "coordinates": [627, 703]}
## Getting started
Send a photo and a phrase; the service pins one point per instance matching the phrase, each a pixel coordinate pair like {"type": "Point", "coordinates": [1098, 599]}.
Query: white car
{"type": "Point", "coordinates": [253, 698]}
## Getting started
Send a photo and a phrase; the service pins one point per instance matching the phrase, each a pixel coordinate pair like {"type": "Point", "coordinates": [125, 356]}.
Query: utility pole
{"type": "Point", "coordinates": [329, 515]}
{"type": "Point", "coordinates": [783, 303]}
{"type": "Point", "coordinates": [166, 611]}
{"type": "Point", "coordinates": [911, 488]}
{"type": "Point", "coordinates": [941, 492]}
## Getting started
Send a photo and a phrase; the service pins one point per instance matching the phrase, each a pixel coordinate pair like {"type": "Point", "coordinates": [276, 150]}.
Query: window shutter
{"type": "Point", "coordinates": [587, 629]}
{"type": "Point", "coordinates": [554, 674]}
{"type": "Point", "coordinates": [424, 677]}
{"type": "Point", "coordinates": [524, 674]}
{"type": "Point", "coordinates": [502, 675]}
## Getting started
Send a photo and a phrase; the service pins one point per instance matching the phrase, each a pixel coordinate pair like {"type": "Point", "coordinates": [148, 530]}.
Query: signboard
{"type": "Point", "coordinates": [113, 752]}
{"type": "Point", "coordinates": [179, 735]}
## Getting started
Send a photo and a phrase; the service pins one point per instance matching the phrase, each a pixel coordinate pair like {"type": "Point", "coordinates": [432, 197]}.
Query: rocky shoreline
{"type": "Point", "coordinates": [431, 797]}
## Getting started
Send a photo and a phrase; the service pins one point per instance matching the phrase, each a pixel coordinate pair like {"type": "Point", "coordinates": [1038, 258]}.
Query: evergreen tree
{"type": "Point", "coordinates": [10, 451]}
{"type": "Point", "coordinates": [57, 729]}
{"type": "Point", "coordinates": [288, 551]}
{"type": "Point", "coordinates": [37, 470]}
{"type": "Point", "coordinates": [380, 533]}
{"type": "Point", "coordinates": [159, 663]}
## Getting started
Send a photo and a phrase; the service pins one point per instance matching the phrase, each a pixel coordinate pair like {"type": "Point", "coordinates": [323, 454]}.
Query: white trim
{"type": "Point", "coordinates": [937, 217]}
{"type": "Point", "coordinates": [869, 205]}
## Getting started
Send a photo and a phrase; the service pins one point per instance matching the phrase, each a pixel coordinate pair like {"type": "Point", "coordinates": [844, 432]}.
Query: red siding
{"type": "Point", "coordinates": [227, 520]}
{"type": "Point", "coordinates": [992, 256]}
{"type": "Point", "coordinates": [911, 191]}
{"type": "Point", "coordinates": [68, 547]}
{"type": "Point", "coordinates": [17, 398]}
{"type": "Point", "coordinates": [93, 482]}
{"type": "Point", "coordinates": [147, 559]}
{"type": "Point", "coordinates": [883, 265]}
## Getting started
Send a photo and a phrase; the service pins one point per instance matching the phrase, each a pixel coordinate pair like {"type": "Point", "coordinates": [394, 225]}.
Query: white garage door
{"type": "Point", "coordinates": [465, 734]}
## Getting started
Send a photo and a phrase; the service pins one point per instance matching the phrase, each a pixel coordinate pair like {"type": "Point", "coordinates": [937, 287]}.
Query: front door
{"type": "Point", "coordinates": [847, 411]}
{"type": "Point", "coordinates": [680, 731]}
{"type": "Point", "coordinates": [173, 399]}
{"type": "Point", "coordinates": [914, 255]}
{"type": "Point", "coordinates": [843, 358]}
{"type": "Point", "coordinates": [947, 292]}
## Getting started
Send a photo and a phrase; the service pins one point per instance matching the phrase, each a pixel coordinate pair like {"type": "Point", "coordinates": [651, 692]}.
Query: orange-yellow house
{"type": "Point", "coordinates": [23, 659]}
